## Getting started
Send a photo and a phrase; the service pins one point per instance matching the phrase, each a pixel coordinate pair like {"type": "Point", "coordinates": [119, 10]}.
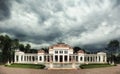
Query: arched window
{"type": "Point", "coordinates": [24, 58]}
{"type": "Point", "coordinates": [33, 58]}
{"type": "Point", "coordinates": [17, 57]}
{"type": "Point", "coordinates": [81, 58]}
{"type": "Point", "coordinates": [87, 58]}
{"type": "Point", "coordinates": [99, 58]}
{"type": "Point", "coordinates": [96, 58]}
{"type": "Point", "coordinates": [90, 59]}
{"type": "Point", "coordinates": [40, 58]}
{"type": "Point", "coordinates": [29, 58]}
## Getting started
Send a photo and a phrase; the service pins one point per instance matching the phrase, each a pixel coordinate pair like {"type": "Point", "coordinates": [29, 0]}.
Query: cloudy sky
{"type": "Point", "coordinates": [84, 23]}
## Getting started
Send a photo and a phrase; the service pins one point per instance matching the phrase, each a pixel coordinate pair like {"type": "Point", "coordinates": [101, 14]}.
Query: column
{"type": "Point", "coordinates": [23, 59]}
{"type": "Point", "coordinates": [19, 58]}
{"type": "Point", "coordinates": [72, 58]}
{"type": "Point", "coordinates": [15, 58]}
{"type": "Point", "coordinates": [38, 58]}
{"type": "Point", "coordinates": [53, 58]}
{"type": "Point", "coordinates": [43, 58]}
{"type": "Point", "coordinates": [63, 58]}
{"type": "Point", "coordinates": [68, 58]}
{"type": "Point", "coordinates": [98, 59]}
{"type": "Point", "coordinates": [79, 58]}
{"type": "Point", "coordinates": [83, 59]}
{"type": "Point", "coordinates": [101, 58]}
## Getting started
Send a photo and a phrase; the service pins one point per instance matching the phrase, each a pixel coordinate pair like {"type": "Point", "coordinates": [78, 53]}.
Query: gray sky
{"type": "Point", "coordinates": [84, 23]}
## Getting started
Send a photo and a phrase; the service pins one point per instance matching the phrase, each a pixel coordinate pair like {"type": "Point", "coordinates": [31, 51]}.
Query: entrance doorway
{"type": "Point", "coordinates": [61, 58]}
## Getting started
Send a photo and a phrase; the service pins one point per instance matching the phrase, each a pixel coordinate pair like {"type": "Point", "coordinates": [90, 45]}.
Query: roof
{"type": "Point", "coordinates": [60, 45]}
{"type": "Point", "coordinates": [80, 51]}
{"type": "Point", "coordinates": [41, 51]}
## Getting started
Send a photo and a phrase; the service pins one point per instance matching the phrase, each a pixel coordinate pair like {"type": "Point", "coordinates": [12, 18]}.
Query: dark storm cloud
{"type": "Point", "coordinates": [85, 23]}
{"type": "Point", "coordinates": [4, 9]}
{"type": "Point", "coordinates": [117, 3]}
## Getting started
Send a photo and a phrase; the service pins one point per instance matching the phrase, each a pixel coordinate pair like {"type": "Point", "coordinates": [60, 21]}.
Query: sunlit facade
{"type": "Point", "coordinates": [60, 53]}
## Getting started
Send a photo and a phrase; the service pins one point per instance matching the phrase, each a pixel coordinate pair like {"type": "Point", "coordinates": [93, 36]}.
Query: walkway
{"type": "Point", "coordinates": [108, 70]}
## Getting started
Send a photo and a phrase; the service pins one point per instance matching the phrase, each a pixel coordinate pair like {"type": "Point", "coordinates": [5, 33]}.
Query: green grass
{"type": "Point", "coordinates": [33, 66]}
{"type": "Point", "coordinates": [87, 66]}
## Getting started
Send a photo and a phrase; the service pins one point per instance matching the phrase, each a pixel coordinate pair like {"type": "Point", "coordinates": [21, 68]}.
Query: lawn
{"type": "Point", "coordinates": [87, 66]}
{"type": "Point", "coordinates": [33, 66]}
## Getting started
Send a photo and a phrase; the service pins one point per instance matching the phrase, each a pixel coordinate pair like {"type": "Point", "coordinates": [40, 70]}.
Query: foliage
{"type": "Point", "coordinates": [45, 49]}
{"type": "Point", "coordinates": [8, 46]}
{"type": "Point", "coordinates": [27, 48]}
{"type": "Point", "coordinates": [33, 66]}
{"type": "Point", "coordinates": [76, 49]}
{"type": "Point", "coordinates": [113, 47]}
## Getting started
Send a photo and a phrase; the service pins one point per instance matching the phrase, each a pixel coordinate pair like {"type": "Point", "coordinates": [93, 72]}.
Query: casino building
{"type": "Point", "coordinates": [60, 56]}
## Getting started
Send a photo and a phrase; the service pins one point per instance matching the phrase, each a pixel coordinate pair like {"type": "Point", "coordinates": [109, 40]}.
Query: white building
{"type": "Point", "coordinates": [58, 55]}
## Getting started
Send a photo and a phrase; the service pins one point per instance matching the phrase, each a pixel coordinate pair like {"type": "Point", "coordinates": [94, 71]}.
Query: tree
{"type": "Point", "coordinates": [33, 51]}
{"type": "Point", "coordinates": [45, 49]}
{"type": "Point", "coordinates": [112, 49]}
{"type": "Point", "coordinates": [15, 43]}
{"type": "Point", "coordinates": [76, 49]}
{"type": "Point", "coordinates": [6, 44]}
{"type": "Point", "coordinates": [27, 48]}
{"type": "Point", "coordinates": [21, 47]}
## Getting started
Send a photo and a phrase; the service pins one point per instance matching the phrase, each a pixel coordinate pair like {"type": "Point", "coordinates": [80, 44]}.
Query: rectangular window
{"type": "Point", "coordinates": [56, 58]}
{"type": "Point", "coordinates": [61, 51]}
{"type": "Point", "coordinates": [56, 52]}
{"type": "Point", "coordinates": [65, 52]}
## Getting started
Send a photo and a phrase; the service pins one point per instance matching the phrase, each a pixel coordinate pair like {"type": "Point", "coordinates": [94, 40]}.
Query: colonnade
{"type": "Point", "coordinates": [46, 58]}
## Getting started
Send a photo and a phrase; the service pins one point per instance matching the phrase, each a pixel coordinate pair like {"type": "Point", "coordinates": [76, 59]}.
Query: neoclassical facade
{"type": "Point", "coordinates": [60, 55]}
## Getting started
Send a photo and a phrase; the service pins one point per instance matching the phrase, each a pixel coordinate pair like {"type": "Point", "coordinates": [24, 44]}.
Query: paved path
{"type": "Point", "coordinates": [108, 70]}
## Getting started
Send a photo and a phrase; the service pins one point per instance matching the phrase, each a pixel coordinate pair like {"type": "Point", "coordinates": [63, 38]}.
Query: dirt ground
{"type": "Point", "coordinates": [107, 70]}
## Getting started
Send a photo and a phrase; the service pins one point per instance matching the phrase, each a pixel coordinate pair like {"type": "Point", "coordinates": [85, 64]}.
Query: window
{"type": "Point", "coordinates": [81, 58]}
{"type": "Point", "coordinates": [99, 59]}
{"type": "Point", "coordinates": [17, 57]}
{"type": "Point", "coordinates": [65, 58]}
{"type": "Point", "coordinates": [61, 51]}
{"type": "Point", "coordinates": [65, 52]}
{"type": "Point", "coordinates": [40, 58]}
{"type": "Point", "coordinates": [56, 52]}
{"type": "Point", "coordinates": [56, 58]}
{"type": "Point", "coordinates": [76, 58]}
